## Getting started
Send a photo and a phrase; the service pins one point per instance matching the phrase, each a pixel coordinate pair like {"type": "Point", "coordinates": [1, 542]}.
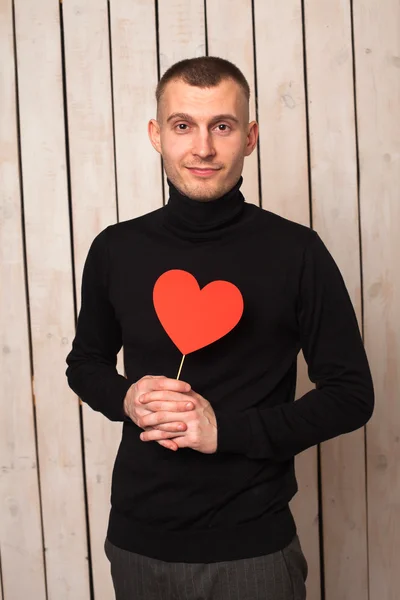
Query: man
{"type": "Point", "coordinates": [205, 469]}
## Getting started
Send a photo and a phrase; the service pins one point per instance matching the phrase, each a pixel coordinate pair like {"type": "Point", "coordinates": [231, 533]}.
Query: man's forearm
{"type": "Point", "coordinates": [282, 431]}
{"type": "Point", "coordinates": [100, 386]}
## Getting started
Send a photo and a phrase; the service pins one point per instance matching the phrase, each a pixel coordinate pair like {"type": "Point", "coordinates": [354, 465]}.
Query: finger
{"type": "Point", "coordinates": [168, 444]}
{"type": "Point", "coordinates": [170, 396]}
{"type": "Point", "coordinates": [168, 406]}
{"type": "Point", "coordinates": [158, 417]}
{"type": "Point", "coordinates": [178, 426]}
{"type": "Point", "coordinates": [166, 383]}
{"type": "Point", "coordinates": [154, 434]}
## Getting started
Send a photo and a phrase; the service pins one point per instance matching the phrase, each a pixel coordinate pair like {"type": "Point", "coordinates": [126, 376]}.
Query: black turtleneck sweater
{"type": "Point", "coordinates": [186, 506]}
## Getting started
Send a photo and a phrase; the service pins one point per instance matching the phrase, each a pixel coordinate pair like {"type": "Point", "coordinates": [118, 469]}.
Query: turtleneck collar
{"type": "Point", "coordinates": [198, 219]}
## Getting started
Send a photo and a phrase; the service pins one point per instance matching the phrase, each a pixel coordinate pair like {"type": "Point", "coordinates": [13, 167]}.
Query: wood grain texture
{"type": "Point", "coordinates": [221, 21]}
{"type": "Point", "coordinates": [21, 547]}
{"type": "Point", "coordinates": [181, 29]}
{"type": "Point", "coordinates": [94, 207]}
{"type": "Point", "coordinates": [377, 59]}
{"type": "Point", "coordinates": [285, 191]}
{"type": "Point", "coordinates": [50, 296]}
{"type": "Point", "coordinates": [134, 58]}
{"type": "Point", "coordinates": [98, 193]}
{"type": "Point", "coordinates": [335, 218]}
{"type": "Point", "coordinates": [281, 109]}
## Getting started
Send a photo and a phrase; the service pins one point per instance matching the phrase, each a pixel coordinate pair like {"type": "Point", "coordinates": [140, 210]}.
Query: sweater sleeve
{"type": "Point", "coordinates": [91, 371]}
{"type": "Point", "coordinates": [343, 399]}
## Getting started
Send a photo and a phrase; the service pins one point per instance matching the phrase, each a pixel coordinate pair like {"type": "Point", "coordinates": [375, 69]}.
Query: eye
{"type": "Point", "coordinates": [223, 125]}
{"type": "Point", "coordinates": [181, 126]}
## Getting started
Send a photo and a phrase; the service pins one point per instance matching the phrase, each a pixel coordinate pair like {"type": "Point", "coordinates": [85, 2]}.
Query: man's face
{"type": "Point", "coordinates": [206, 129]}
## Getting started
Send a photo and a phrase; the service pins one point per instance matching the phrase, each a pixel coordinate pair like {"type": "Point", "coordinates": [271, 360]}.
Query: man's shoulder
{"type": "Point", "coordinates": [136, 224]}
{"type": "Point", "coordinates": [141, 224]}
{"type": "Point", "coordinates": [281, 227]}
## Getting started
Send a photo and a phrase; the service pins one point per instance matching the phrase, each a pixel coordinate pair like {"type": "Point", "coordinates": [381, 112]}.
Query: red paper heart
{"type": "Point", "coordinates": [195, 318]}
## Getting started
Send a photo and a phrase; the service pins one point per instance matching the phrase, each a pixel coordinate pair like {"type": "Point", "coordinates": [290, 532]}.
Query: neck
{"type": "Point", "coordinates": [197, 219]}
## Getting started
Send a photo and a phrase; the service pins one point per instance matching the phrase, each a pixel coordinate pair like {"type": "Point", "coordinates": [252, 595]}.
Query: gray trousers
{"type": "Point", "coordinates": [277, 576]}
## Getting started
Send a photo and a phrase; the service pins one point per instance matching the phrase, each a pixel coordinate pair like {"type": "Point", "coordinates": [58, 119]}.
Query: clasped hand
{"type": "Point", "coordinates": [172, 414]}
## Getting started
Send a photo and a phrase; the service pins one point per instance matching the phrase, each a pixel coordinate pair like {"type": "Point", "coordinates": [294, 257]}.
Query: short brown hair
{"type": "Point", "coordinates": [204, 71]}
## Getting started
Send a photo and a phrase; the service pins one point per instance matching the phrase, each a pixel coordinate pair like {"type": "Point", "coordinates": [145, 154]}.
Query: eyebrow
{"type": "Point", "coordinates": [186, 117]}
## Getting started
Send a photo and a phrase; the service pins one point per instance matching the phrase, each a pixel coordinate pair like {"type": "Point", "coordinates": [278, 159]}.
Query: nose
{"type": "Point", "coordinates": [203, 144]}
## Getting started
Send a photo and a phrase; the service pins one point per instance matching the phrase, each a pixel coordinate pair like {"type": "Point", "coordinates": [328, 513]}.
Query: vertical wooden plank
{"type": "Point", "coordinates": [281, 108]}
{"type": "Point", "coordinates": [221, 22]}
{"type": "Point", "coordinates": [20, 529]}
{"type": "Point", "coordinates": [335, 217]}
{"type": "Point", "coordinates": [134, 67]}
{"type": "Point", "coordinates": [181, 30]}
{"type": "Point", "coordinates": [285, 191]}
{"type": "Point", "coordinates": [51, 295]}
{"type": "Point", "coordinates": [90, 134]}
{"type": "Point", "coordinates": [377, 35]}
{"type": "Point", "coordinates": [1, 581]}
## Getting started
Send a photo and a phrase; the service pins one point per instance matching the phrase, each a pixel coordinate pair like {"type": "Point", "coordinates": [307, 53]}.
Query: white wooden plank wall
{"type": "Point", "coordinates": [135, 76]}
{"type": "Point", "coordinates": [20, 529]}
{"type": "Point", "coordinates": [285, 190]}
{"type": "Point", "coordinates": [93, 194]}
{"type": "Point", "coordinates": [335, 217]}
{"type": "Point", "coordinates": [377, 59]}
{"type": "Point", "coordinates": [77, 83]}
{"type": "Point", "coordinates": [51, 310]}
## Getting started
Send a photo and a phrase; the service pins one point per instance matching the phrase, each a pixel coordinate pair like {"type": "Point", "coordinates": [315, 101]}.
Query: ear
{"type": "Point", "coordinates": [153, 130]}
{"type": "Point", "coordinates": [252, 136]}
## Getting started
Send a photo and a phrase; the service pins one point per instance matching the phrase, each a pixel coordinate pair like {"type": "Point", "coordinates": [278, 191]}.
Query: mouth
{"type": "Point", "coordinates": [202, 172]}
